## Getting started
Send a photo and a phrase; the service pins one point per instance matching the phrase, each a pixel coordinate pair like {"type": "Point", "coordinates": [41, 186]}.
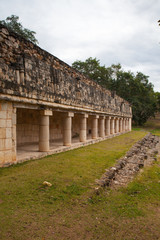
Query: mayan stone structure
{"type": "Point", "coordinates": [45, 102]}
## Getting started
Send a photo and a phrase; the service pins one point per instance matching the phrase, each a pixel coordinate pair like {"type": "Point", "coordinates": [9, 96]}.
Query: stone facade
{"type": "Point", "coordinates": [42, 99]}
{"type": "Point", "coordinates": [7, 133]}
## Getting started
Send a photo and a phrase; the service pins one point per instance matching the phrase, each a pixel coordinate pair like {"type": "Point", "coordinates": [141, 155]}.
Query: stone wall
{"type": "Point", "coordinates": [27, 126]}
{"type": "Point", "coordinates": [7, 133]}
{"type": "Point", "coordinates": [56, 126]}
{"type": "Point", "coordinates": [28, 71]}
{"type": "Point", "coordinates": [45, 102]}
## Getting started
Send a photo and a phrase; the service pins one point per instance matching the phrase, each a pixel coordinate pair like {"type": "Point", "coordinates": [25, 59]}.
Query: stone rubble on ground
{"type": "Point", "coordinates": [141, 154]}
{"type": "Point", "coordinates": [45, 183]}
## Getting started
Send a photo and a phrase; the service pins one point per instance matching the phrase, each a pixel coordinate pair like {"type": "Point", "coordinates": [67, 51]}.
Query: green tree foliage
{"type": "Point", "coordinates": [92, 69]}
{"type": "Point", "coordinates": [13, 24]}
{"type": "Point", "coordinates": [158, 100]}
{"type": "Point", "coordinates": [136, 89]}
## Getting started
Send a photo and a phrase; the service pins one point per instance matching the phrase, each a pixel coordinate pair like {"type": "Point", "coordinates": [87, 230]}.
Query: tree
{"type": "Point", "coordinates": [136, 89]}
{"type": "Point", "coordinates": [12, 24]}
{"type": "Point", "coordinates": [158, 100]}
{"type": "Point", "coordinates": [91, 68]}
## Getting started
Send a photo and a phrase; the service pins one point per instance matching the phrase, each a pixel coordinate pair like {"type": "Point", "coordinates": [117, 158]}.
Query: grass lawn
{"type": "Point", "coordinates": [69, 209]}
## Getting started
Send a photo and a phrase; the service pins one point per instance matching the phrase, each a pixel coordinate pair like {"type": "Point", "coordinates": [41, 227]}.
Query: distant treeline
{"type": "Point", "coordinates": [135, 88]}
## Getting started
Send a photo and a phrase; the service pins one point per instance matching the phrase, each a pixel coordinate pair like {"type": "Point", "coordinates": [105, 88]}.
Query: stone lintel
{"type": "Point", "coordinates": [30, 103]}
{"type": "Point", "coordinates": [108, 117]}
{"type": "Point", "coordinates": [102, 117]}
{"type": "Point", "coordinates": [46, 112]}
{"type": "Point", "coordinates": [95, 116]}
{"type": "Point", "coordinates": [69, 114]}
{"type": "Point", "coordinates": [26, 106]}
{"type": "Point", "coordinates": [84, 115]}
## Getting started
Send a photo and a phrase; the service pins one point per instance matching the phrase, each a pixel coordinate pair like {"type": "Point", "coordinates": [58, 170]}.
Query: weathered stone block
{"type": "Point", "coordinates": [2, 133]}
{"type": "Point", "coordinates": [14, 133]}
{"type": "Point", "coordinates": [8, 156]}
{"type": "Point", "coordinates": [4, 106]}
{"type": "Point", "coordinates": [1, 39]}
{"type": "Point", "coordinates": [14, 118]}
{"type": "Point", "coordinates": [46, 113]}
{"type": "Point", "coordinates": [9, 123]}
{"type": "Point", "coordinates": [3, 123]}
{"type": "Point", "coordinates": [2, 144]}
{"type": "Point", "coordinates": [8, 132]}
{"type": "Point", "coordinates": [3, 114]}
{"type": "Point", "coordinates": [5, 31]}
{"type": "Point", "coordinates": [9, 114]}
{"type": "Point", "coordinates": [8, 144]}
{"type": "Point", "coordinates": [2, 158]}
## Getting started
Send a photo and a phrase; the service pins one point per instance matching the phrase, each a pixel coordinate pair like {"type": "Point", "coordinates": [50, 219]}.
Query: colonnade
{"type": "Point", "coordinates": [101, 127]}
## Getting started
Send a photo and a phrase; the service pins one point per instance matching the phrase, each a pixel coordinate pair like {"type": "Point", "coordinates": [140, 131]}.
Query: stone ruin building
{"type": "Point", "coordinates": [47, 105]}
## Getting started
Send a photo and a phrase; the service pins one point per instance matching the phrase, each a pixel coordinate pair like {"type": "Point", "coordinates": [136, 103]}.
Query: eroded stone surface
{"type": "Point", "coordinates": [28, 71]}
{"type": "Point", "coordinates": [140, 155]}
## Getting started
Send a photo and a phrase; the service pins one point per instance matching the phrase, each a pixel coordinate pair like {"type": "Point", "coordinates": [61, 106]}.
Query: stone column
{"type": "Point", "coordinates": [112, 125]}
{"type": "Point", "coordinates": [124, 125]}
{"type": "Point", "coordinates": [102, 126]}
{"type": "Point", "coordinates": [107, 128]}
{"type": "Point", "coordinates": [67, 129]}
{"type": "Point", "coordinates": [120, 125]}
{"type": "Point", "coordinates": [83, 128]}
{"type": "Point", "coordinates": [116, 125]}
{"type": "Point", "coordinates": [130, 124]}
{"type": "Point", "coordinates": [95, 126]}
{"type": "Point", "coordinates": [130, 110]}
{"type": "Point", "coordinates": [18, 76]}
{"type": "Point", "coordinates": [14, 134]}
{"type": "Point", "coordinates": [44, 131]}
{"type": "Point", "coordinates": [22, 76]}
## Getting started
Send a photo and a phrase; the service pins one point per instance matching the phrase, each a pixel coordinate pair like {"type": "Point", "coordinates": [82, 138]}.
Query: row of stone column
{"type": "Point", "coordinates": [107, 126]}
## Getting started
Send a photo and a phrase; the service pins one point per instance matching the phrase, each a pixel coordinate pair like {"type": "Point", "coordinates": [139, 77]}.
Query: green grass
{"type": "Point", "coordinates": [153, 125]}
{"type": "Point", "coordinates": [130, 201]}
{"type": "Point", "coordinates": [69, 209]}
{"type": "Point", "coordinates": [136, 205]}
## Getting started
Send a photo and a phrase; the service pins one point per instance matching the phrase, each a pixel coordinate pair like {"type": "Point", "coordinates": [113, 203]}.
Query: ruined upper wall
{"type": "Point", "coordinates": [28, 71]}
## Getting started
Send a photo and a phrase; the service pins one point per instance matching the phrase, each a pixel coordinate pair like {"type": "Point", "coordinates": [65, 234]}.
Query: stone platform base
{"type": "Point", "coordinates": [30, 151]}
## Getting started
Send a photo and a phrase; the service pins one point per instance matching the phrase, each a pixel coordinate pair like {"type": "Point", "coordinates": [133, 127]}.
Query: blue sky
{"type": "Point", "coordinates": [117, 31]}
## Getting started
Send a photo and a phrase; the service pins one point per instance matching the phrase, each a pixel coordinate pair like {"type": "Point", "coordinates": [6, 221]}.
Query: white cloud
{"type": "Point", "coordinates": [114, 31]}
